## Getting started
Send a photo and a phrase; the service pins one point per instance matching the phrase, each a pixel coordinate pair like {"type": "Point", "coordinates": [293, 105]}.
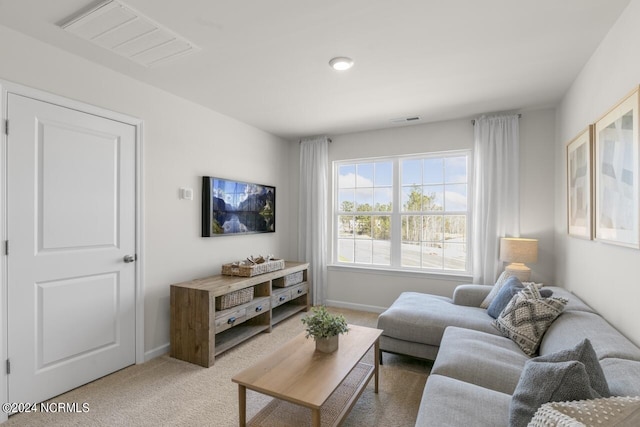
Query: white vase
{"type": "Point", "coordinates": [327, 345]}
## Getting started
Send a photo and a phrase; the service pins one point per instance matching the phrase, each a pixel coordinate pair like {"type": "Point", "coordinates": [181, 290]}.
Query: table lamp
{"type": "Point", "coordinates": [518, 251]}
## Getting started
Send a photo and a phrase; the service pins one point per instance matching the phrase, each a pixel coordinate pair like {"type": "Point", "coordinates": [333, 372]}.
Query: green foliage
{"type": "Point", "coordinates": [365, 225]}
{"type": "Point", "coordinates": [422, 220]}
{"type": "Point", "coordinates": [322, 324]}
{"type": "Point", "coordinates": [216, 228]}
{"type": "Point", "coordinates": [421, 202]}
{"type": "Point", "coordinates": [347, 206]}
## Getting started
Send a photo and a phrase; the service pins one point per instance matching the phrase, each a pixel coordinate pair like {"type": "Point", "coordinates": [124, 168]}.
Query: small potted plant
{"type": "Point", "coordinates": [325, 328]}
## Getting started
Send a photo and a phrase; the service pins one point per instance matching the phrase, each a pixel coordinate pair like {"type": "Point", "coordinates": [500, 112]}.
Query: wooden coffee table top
{"type": "Point", "coordinates": [299, 374]}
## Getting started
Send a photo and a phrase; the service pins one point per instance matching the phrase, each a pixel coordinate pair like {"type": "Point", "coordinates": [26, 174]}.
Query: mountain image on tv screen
{"type": "Point", "coordinates": [234, 207]}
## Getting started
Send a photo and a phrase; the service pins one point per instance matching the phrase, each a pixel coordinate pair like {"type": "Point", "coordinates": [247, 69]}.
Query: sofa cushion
{"type": "Point", "coordinates": [574, 303]}
{"type": "Point", "coordinates": [447, 402]}
{"type": "Point", "coordinates": [571, 327]}
{"type": "Point", "coordinates": [486, 360]}
{"type": "Point", "coordinates": [623, 376]}
{"type": "Point", "coordinates": [555, 378]}
{"type": "Point", "coordinates": [511, 287]}
{"type": "Point", "coordinates": [422, 318]}
{"type": "Point", "coordinates": [527, 317]}
{"type": "Point", "coordinates": [410, 348]}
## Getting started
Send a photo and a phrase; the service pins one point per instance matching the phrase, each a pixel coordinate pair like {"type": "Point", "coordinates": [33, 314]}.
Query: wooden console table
{"type": "Point", "coordinates": [199, 332]}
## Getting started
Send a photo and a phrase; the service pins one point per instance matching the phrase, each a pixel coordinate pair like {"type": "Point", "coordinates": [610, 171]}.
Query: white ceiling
{"type": "Point", "coordinates": [266, 62]}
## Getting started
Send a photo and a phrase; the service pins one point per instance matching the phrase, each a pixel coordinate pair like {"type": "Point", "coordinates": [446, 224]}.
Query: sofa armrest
{"type": "Point", "coordinates": [470, 295]}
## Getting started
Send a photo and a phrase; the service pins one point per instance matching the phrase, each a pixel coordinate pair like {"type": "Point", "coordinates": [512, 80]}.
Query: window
{"type": "Point", "coordinates": [365, 202]}
{"type": "Point", "coordinates": [403, 212]}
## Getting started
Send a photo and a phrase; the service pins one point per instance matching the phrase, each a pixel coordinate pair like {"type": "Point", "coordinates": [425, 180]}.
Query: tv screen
{"type": "Point", "coordinates": [234, 207]}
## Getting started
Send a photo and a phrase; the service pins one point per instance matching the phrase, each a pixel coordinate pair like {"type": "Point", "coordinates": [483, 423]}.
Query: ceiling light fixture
{"type": "Point", "coordinates": [341, 63]}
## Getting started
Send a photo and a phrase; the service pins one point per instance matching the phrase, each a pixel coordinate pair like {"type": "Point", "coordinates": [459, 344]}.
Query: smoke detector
{"type": "Point", "coordinates": [121, 29]}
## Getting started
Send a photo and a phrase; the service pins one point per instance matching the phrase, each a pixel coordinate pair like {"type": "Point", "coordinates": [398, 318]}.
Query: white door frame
{"type": "Point", "coordinates": [9, 87]}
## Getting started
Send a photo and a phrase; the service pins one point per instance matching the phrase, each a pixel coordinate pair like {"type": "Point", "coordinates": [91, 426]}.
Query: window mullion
{"type": "Point", "coordinates": [396, 219]}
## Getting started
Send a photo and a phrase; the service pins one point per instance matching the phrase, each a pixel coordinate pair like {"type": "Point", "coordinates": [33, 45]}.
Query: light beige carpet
{"type": "Point", "coordinates": [169, 392]}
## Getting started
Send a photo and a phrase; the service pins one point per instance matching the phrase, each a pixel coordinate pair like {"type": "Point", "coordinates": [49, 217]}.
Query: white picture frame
{"type": "Point", "coordinates": [616, 174]}
{"type": "Point", "coordinates": [580, 185]}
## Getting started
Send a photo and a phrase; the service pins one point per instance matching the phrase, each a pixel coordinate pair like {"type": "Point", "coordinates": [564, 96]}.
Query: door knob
{"type": "Point", "coordinates": [129, 258]}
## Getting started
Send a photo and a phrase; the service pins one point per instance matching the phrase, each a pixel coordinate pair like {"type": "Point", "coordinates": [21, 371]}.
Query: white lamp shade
{"type": "Point", "coordinates": [518, 250]}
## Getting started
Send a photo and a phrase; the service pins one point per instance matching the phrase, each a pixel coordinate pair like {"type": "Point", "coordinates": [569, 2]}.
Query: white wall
{"type": "Point", "coordinates": [182, 142]}
{"type": "Point", "coordinates": [537, 183]}
{"type": "Point", "coordinates": [607, 277]}
{"type": "Point", "coordinates": [376, 290]}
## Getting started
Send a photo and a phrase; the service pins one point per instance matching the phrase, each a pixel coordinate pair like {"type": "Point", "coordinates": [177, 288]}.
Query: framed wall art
{"type": "Point", "coordinates": [580, 185]}
{"type": "Point", "coordinates": [232, 207]}
{"type": "Point", "coordinates": [616, 174]}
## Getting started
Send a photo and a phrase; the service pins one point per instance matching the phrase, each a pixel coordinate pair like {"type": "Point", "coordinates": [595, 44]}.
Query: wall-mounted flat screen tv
{"type": "Point", "coordinates": [234, 207]}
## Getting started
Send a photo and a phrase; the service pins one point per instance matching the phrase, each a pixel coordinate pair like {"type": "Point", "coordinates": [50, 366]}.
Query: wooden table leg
{"type": "Point", "coordinates": [315, 415]}
{"type": "Point", "coordinates": [242, 405]}
{"type": "Point", "coordinates": [376, 365]}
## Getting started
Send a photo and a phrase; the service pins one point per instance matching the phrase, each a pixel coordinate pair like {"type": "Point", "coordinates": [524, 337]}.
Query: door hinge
{"type": "Point", "coordinates": [6, 126]}
{"type": "Point", "coordinates": [6, 247]}
{"type": "Point", "coordinates": [8, 366]}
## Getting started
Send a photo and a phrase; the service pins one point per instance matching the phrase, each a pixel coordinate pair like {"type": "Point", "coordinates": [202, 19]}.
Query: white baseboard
{"type": "Point", "coordinates": [353, 306]}
{"type": "Point", "coordinates": [156, 352]}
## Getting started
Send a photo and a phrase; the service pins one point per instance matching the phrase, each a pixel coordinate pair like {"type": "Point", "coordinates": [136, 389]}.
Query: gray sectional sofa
{"type": "Point", "coordinates": [476, 369]}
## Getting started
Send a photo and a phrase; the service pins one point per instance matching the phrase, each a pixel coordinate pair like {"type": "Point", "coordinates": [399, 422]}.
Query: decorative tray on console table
{"type": "Point", "coordinates": [253, 266]}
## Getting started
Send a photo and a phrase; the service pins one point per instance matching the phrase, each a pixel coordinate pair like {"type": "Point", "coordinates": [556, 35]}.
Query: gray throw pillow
{"type": "Point", "coordinates": [573, 374]}
{"type": "Point", "coordinates": [583, 352]}
{"type": "Point", "coordinates": [496, 288]}
{"type": "Point", "coordinates": [511, 287]}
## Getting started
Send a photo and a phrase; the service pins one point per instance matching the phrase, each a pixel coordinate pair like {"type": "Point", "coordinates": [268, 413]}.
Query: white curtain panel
{"type": "Point", "coordinates": [312, 212]}
{"type": "Point", "coordinates": [496, 207]}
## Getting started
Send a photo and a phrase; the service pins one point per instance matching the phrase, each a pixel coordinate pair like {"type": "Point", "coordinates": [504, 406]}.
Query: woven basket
{"type": "Point", "coordinates": [288, 280]}
{"type": "Point", "coordinates": [252, 270]}
{"type": "Point", "coordinates": [234, 298]}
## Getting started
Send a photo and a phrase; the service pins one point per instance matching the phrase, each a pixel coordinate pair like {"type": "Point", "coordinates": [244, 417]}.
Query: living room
{"type": "Point", "coordinates": [184, 141]}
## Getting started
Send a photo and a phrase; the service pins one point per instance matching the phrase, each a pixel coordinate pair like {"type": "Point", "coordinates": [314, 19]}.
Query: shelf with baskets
{"type": "Point", "coordinates": [213, 314]}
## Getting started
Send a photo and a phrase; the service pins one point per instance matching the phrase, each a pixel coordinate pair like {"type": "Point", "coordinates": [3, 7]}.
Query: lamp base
{"type": "Point", "coordinates": [521, 271]}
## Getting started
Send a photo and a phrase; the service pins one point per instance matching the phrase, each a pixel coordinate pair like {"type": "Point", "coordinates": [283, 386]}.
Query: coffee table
{"type": "Point", "coordinates": [299, 374]}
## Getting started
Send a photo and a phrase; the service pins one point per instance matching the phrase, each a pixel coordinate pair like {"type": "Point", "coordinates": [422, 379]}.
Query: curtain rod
{"type": "Point", "coordinates": [473, 122]}
{"type": "Point", "coordinates": [328, 139]}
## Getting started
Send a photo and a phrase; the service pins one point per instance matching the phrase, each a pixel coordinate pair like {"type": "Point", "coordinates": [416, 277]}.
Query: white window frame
{"type": "Point", "coordinates": [396, 214]}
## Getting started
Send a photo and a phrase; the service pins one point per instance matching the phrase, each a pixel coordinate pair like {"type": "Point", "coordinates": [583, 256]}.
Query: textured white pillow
{"type": "Point", "coordinates": [494, 291]}
{"type": "Point", "coordinates": [605, 412]}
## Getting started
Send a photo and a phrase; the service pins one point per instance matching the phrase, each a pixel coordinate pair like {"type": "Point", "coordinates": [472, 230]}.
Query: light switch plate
{"type": "Point", "coordinates": [186, 193]}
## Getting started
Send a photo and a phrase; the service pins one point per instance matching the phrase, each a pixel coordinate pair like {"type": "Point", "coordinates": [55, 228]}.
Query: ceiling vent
{"type": "Point", "coordinates": [406, 119]}
{"type": "Point", "coordinates": [115, 26]}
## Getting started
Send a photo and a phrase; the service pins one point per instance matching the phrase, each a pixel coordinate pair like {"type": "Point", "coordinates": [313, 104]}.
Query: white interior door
{"type": "Point", "coordinates": [71, 223]}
